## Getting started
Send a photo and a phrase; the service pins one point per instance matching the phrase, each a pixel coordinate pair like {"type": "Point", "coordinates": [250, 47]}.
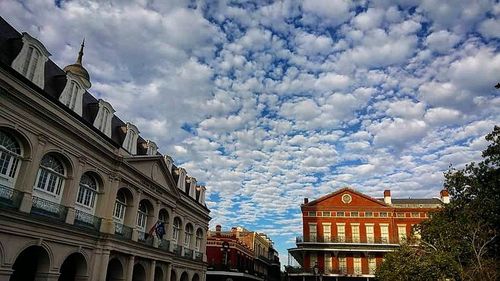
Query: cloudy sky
{"type": "Point", "coordinates": [267, 102]}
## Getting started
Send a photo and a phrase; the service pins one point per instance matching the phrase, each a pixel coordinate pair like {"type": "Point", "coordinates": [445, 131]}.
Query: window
{"type": "Point", "coordinates": [357, 264]}
{"type": "Point", "coordinates": [402, 233]}
{"type": "Point", "coordinates": [368, 214]}
{"type": "Point", "coordinates": [177, 229]}
{"type": "Point", "coordinates": [120, 207]}
{"type": "Point", "coordinates": [142, 216]}
{"type": "Point", "coordinates": [384, 233]}
{"type": "Point", "coordinates": [313, 259]}
{"type": "Point", "coordinates": [341, 232]}
{"type": "Point", "coordinates": [312, 232]}
{"type": "Point", "coordinates": [327, 214]}
{"type": "Point", "coordinates": [372, 264]}
{"type": "Point", "coordinates": [188, 234]}
{"type": "Point", "coordinates": [104, 117]}
{"type": "Point", "coordinates": [130, 141]}
{"type": "Point", "coordinates": [342, 264]}
{"type": "Point", "coordinates": [355, 233]}
{"type": "Point", "coordinates": [327, 232]}
{"type": "Point", "coordinates": [30, 61]}
{"type": "Point", "coordinates": [311, 214]}
{"type": "Point", "coordinates": [383, 214]}
{"type": "Point", "coordinates": [87, 192]}
{"type": "Point", "coordinates": [370, 236]}
{"type": "Point", "coordinates": [354, 214]}
{"type": "Point", "coordinates": [400, 215]}
{"type": "Point", "coordinates": [328, 262]}
{"type": "Point", "coordinates": [199, 238]}
{"type": "Point", "coordinates": [340, 214]}
{"type": "Point", "coordinates": [415, 215]}
{"type": "Point", "coordinates": [51, 176]}
{"type": "Point", "coordinates": [10, 153]}
{"type": "Point", "coordinates": [163, 216]}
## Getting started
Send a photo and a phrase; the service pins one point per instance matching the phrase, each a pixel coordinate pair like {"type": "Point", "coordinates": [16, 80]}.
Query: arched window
{"type": "Point", "coordinates": [163, 216]}
{"type": "Point", "coordinates": [177, 229]}
{"type": "Point", "coordinates": [31, 63]}
{"type": "Point", "coordinates": [142, 216]}
{"type": "Point", "coordinates": [120, 206]}
{"type": "Point", "coordinates": [188, 234]}
{"type": "Point", "coordinates": [88, 191]}
{"type": "Point", "coordinates": [51, 175]}
{"type": "Point", "coordinates": [199, 238]}
{"type": "Point", "coordinates": [10, 152]}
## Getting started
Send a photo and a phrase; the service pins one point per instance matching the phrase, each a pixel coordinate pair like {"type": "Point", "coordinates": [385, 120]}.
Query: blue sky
{"type": "Point", "coordinates": [267, 102]}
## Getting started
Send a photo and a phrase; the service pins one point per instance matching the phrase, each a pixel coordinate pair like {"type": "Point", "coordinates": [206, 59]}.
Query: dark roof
{"type": "Point", "coordinates": [425, 201]}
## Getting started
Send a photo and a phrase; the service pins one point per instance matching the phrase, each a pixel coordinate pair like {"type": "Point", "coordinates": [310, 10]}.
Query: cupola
{"type": "Point", "coordinates": [78, 70]}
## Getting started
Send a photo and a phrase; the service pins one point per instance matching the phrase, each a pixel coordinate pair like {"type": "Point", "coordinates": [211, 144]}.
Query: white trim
{"type": "Point", "coordinates": [22, 60]}
{"type": "Point", "coordinates": [104, 117]}
{"type": "Point", "coordinates": [130, 141]}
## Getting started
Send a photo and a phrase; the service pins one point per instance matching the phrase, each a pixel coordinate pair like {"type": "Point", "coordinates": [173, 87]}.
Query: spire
{"type": "Point", "coordinates": [80, 54]}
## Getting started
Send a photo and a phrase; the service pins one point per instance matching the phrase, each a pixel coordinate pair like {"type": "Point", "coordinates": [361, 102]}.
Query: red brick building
{"type": "Point", "coordinates": [346, 233]}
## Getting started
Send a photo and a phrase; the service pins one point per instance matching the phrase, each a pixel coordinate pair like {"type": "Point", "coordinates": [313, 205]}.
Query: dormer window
{"type": "Point", "coordinates": [169, 162]}
{"type": "Point", "coordinates": [72, 94]}
{"type": "Point", "coordinates": [152, 148]}
{"type": "Point", "coordinates": [192, 189]}
{"type": "Point", "coordinates": [104, 117]}
{"type": "Point", "coordinates": [30, 61]}
{"type": "Point", "coordinates": [130, 141]}
{"type": "Point", "coordinates": [181, 184]}
{"type": "Point", "coordinates": [201, 196]}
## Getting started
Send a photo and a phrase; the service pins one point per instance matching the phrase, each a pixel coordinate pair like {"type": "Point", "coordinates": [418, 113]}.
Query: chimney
{"type": "Point", "coordinates": [306, 200]}
{"type": "Point", "coordinates": [234, 231]}
{"type": "Point", "coordinates": [387, 197]}
{"type": "Point", "coordinates": [218, 229]}
{"type": "Point", "coordinates": [445, 196]}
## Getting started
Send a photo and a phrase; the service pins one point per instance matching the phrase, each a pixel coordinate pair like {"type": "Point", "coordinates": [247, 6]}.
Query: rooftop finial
{"type": "Point", "coordinates": [80, 54]}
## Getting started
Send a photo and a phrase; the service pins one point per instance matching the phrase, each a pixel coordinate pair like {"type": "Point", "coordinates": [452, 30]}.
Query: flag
{"type": "Point", "coordinates": [158, 229]}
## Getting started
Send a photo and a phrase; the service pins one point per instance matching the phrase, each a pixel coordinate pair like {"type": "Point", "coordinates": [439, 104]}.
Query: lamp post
{"type": "Point", "coordinates": [316, 271]}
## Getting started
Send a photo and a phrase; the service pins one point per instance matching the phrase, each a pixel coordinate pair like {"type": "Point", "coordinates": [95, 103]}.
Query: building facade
{"type": "Point", "coordinates": [241, 254]}
{"type": "Point", "coordinates": [346, 233]}
{"type": "Point", "coordinates": [82, 195]}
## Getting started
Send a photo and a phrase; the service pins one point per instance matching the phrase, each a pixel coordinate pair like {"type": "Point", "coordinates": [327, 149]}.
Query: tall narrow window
{"type": "Point", "coordinates": [384, 233]}
{"type": "Point", "coordinates": [357, 265]}
{"type": "Point", "coordinates": [402, 233]}
{"type": "Point", "coordinates": [313, 259]}
{"type": "Point", "coordinates": [341, 232]}
{"type": "Point", "coordinates": [188, 234]}
{"type": "Point", "coordinates": [120, 207]}
{"type": "Point", "coordinates": [328, 263]}
{"type": "Point", "coordinates": [30, 61]}
{"type": "Point", "coordinates": [10, 153]}
{"type": "Point", "coordinates": [87, 192]}
{"type": "Point", "coordinates": [372, 264]}
{"type": "Point", "coordinates": [342, 264]}
{"type": "Point", "coordinates": [50, 179]}
{"type": "Point", "coordinates": [327, 232]}
{"type": "Point", "coordinates": [370, 236]}
{"type": "Point", "coordinates": [312, 232]}
{"type": "Point", "coordinates": [177, 230]}
{"type": "Point", "coordinates": [142, 216]}
{"type": "Point", "coordinates": [199, 239]}
{"type": "Point", "coordinates": [355, 233]}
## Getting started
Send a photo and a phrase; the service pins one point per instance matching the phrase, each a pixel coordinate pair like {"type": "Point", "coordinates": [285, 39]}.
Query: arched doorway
{"type": "Point", "coordinates": [158, 274]}
{"type": "Point", "coordinates": [196, 277]}
{"type": "Point", "coordinates": [173, 275]}
{"type": "Point", "coordinates": [115, 271]}
{"type": "Point", "coordinates": [74, 268]}
{"type": "Point", "coordinates": [139, 273]}
{"type": "Point", "coordinates": [32, 262]}
{"type": "Point", "coordinates": [184, 276]}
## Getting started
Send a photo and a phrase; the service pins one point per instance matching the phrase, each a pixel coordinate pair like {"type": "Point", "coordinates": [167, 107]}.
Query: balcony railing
{"type": "Point", "coordinates": [48, 208]}
{"type": "Point", "coordinates": [264, 259]}
{"type": "Point", "coordinates": [336, 271]}
{"type": "Point", "coordinates": [164, 244]}
{"type": "Point", "coordinates": [123, 231]}
{"type": "Point", "coordinates": [176, 249]}
{"type": "Point", "coordinates": [198, 256]}
{"type": "Point", "coordinates": [145, 238]}
{"type": "Point", "coordinates": [354, 240]}
{"type": "Point", "coordinates": [87, 220]}
{"type": "Point", "coordinates": [188, 253]}
{"type": "Point", "coordinates": [9, 197]}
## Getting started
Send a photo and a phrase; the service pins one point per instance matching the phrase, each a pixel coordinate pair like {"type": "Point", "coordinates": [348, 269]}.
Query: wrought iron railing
{"type": "Point", "coordinates": [198, 256]}
{"type": "Point", "coordinates": [264, 259]}
{"type": "Point", "coordinates": [145, 238]}
{"type": "Point", "coordinates": [10, 198]}
{"type": "Point", "coordinates": [48, 208]}
{"type": "Point", "coordinates": [87, 220]}
{"type": "Point", "coordinates": [164, 244]}
{"type": "Point", "coordinates": [123, 231]}
{"type": "Point", "coordinates": [341, 239]}
{"type": "Point", "coordinates": [176, 249]}
{"type": "Point", "coordinates": [188, 253]}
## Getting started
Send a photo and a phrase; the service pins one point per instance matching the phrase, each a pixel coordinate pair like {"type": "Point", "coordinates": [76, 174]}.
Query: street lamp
{"type": "Point", "coordinates": [316, 271]}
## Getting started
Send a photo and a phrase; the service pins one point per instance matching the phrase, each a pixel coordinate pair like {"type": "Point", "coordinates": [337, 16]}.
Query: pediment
{"type": "Point", "coordinates": [154, 168]}
{"type": "Point", "coordinates": [346, 197]}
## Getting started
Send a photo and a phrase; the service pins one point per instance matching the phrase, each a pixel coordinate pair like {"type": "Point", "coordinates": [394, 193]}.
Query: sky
{"type": "Point", "coordinates": [268, 102]}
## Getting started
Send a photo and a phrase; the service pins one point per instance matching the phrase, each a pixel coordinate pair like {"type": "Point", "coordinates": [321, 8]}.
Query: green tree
{"type": "Point", "coordinates": [460, 242]}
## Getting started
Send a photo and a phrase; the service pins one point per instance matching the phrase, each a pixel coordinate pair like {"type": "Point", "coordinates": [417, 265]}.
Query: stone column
{"type": "Point", "coordinates": [5, 274]}
{"type": "Point", "coordinates": [106, 203]}
{"type": "Point", "coordinates": [48, 276]}
{"type": "Point", "coordinates": [169, 272]}
{"type": "Point", "coordinates": [130, 268]}
{"type": "Point", "coordinates": [131, 215]}
{"type": "Point", "coordinates": [71, 189]}
{"type": "Point", "coordinates": [151, 275]}
{"type": "Point", "coordinates": [103, 265]}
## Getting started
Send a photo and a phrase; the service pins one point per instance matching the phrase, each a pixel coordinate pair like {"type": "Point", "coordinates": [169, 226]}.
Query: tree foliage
{"type": "Point", "coordinates": [460, 242]}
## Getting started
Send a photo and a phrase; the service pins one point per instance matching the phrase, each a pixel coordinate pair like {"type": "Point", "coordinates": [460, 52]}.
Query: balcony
{"type": "Point", "coordinates": [198, 256]}
{"type": "Point", "coordinates": [46, 208]}
{"type": "Point", "coordinates": [164, 244]}
{"type": "Point", "coordinates": [10, 198]}
{"type": "Point", "coordinates": [177, 250]}
{"type": "Point", "coordinates": [342, 271]}
{"type": "Point", "coordinates": [87, 220]}
{"type": "Point", "coordinates": [264, 259]}
{"type": "Point", "coordinates": [188, 253]}
{"type": "Point", "coordinates": [123, 232]}
{"type": "Point", "coordinates": [347, 240]}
